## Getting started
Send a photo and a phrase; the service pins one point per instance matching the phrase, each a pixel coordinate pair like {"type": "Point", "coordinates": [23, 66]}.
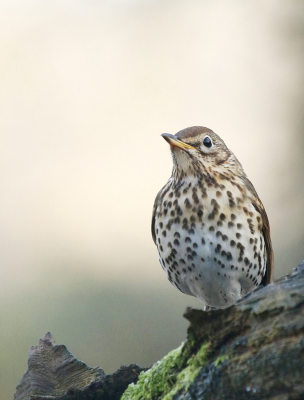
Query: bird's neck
{"type": "Point", "coordinates": [192, 175]}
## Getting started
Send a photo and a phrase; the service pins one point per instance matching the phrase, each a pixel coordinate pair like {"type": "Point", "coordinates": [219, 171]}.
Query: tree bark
{"type": "Point", "coordinates": [54, 373]}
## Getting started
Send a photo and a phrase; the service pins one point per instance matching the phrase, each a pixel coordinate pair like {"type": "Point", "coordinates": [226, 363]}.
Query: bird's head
{"type": "Point", "coordinates": [199, 151]}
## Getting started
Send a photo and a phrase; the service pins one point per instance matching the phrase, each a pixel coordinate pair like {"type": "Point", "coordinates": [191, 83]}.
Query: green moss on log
{"type": "Point", "coordinates": [174, 372]}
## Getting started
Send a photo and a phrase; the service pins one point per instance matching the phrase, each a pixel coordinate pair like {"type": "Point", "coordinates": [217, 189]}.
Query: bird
{"type": "Point", "coordinates": [209, 225]}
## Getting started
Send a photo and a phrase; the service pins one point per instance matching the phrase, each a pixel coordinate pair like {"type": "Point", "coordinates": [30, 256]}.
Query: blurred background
{"type": "Point", "coordinates": [86, 89]}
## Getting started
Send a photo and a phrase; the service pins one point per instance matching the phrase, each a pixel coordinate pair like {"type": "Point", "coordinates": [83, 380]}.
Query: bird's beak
{"type": "Point", "coordinates": [174, 142]}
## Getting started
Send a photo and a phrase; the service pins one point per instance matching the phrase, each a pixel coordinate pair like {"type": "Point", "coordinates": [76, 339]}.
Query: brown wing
{"type": "Point", "coordinates": [257, 204]}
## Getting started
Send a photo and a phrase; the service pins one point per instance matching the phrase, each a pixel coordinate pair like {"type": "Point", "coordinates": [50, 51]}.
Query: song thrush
{"type": "Point", "coordinates": [209, 225]}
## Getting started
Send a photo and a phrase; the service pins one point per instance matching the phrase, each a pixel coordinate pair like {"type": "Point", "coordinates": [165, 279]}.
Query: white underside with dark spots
{"type": "Point", "coordinates": [211, 257]}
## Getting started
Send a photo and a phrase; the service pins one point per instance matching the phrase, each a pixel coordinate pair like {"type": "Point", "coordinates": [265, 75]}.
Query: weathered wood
{"type": "Point", "coordinates": [53, 373]}
{"type": "Point", "coordinates": [253, 350]}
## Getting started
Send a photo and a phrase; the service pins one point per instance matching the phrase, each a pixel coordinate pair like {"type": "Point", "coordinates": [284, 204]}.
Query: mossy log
{"type": "Point", "coordinates": [253, 350]}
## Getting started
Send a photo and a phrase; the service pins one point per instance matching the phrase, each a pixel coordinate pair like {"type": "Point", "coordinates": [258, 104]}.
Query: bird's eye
{"type": "Point", "coordinates": [207, 141]}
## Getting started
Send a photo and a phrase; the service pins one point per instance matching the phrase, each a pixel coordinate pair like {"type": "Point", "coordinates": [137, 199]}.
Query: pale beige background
{"type": "Point", "coordinates": [86, 89]}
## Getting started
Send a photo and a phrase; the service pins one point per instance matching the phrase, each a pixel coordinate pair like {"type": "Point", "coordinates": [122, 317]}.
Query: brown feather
{"type": "Point", "coordinates": [257, 204]}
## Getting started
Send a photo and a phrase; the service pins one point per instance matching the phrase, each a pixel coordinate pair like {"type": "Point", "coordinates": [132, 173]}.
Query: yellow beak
{"type": "Point", "coordinates": [174, 142]}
